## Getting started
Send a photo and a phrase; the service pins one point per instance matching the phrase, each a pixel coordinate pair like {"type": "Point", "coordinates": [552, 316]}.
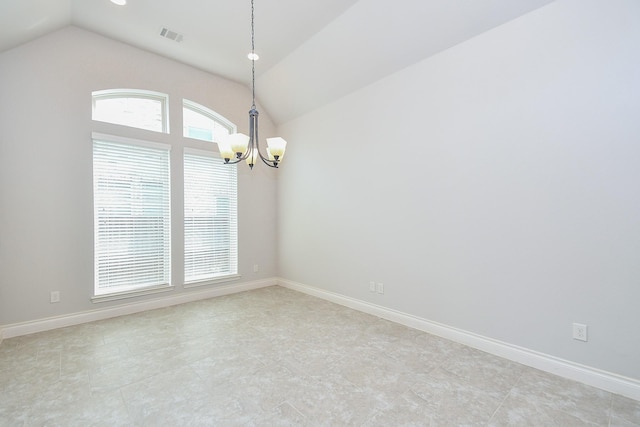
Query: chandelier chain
{"type": "Point", "coordinates": [253, 60]}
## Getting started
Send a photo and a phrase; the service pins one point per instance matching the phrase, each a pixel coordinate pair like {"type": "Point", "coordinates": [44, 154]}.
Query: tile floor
{"type": "Point", "coordinates": [275, 357]}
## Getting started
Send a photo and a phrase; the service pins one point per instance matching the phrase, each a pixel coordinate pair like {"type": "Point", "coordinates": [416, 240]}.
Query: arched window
{"type": "Point", "coordinates": [199, 122]}
{"type": "Point", "coordinates": [136, 108]}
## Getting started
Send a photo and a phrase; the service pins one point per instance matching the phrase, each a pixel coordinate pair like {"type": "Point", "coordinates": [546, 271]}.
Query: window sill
{"type": "Point", "coordinates": [208, 282]}
{"type": "Point", "coordinates": [131, 294]}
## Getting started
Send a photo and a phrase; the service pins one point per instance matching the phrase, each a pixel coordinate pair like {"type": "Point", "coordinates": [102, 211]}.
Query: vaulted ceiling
{"type": "Point", "coordinates": [311, 52]}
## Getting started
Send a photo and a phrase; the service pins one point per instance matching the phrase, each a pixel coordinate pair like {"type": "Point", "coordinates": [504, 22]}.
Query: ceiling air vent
{"type": "Point", "coordinates": [171, 35]}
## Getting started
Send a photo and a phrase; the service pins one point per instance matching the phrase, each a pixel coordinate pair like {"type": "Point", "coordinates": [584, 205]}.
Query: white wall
{"type": "Point", "coordinates": [46, 211]}
{"type": "Point", "coordinates": [494, 187]}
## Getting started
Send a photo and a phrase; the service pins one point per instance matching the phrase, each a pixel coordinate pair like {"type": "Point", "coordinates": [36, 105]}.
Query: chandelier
{"type": "Point", "coordinates": [241, 147]}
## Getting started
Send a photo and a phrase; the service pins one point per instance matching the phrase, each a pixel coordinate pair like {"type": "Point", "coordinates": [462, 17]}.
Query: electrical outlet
{"type": "Point", "coordinates": [55, 296]}
{"type": "Point", "coordinates": [256, 268]}
{"type": "Point", "coordinates": [579, 332]}
{"type": "Point", "coordinates": [372, 286]}
{"type": "Point", "coordinates": [380, 288]}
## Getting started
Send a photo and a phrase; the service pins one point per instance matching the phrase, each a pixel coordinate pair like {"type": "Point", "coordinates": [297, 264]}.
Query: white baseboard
{"type": "Point", "coordinates": [41, 325]}
{"type": "Point", "coordinates": [608, 381]}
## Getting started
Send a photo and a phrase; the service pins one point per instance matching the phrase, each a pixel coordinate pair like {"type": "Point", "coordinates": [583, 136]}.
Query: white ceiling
{"type": "Point", "coordinates": [311, 52]}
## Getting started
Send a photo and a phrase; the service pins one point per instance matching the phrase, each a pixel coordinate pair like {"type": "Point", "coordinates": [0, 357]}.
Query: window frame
{"type": "Point", "coordinates": [131, 291]}
{"type": "Point", "coordinates": [234, 245]}
{"type": "Point", "coordinates": [176, 190]}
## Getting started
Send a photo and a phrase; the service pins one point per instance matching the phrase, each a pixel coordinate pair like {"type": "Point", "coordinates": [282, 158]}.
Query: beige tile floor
{"type": "Point", "coordinates": [275, 357]}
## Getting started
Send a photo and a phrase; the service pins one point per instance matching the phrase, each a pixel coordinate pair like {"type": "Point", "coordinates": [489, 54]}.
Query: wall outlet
{"type": "Point", "coordinates": [579, 332]}
{"type": "Point", "coordinates": [372, 286]}
{"type": "Point", "coordinates": [380, 288]}
{"type": "Point", "coordinates": [256, 268]}
{"type": "Point", "coordinates": [55, 296]}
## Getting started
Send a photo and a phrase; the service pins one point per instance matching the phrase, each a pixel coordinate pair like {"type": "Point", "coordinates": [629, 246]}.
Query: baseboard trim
{"type": "Point", "coordinates": [41, 325]}
{"type": "Point", "coordinates": [604, 380]}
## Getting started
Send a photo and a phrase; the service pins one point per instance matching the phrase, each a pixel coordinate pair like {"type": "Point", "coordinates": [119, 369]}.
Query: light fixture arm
{"type": "Point", "coordinates": [255, 140]}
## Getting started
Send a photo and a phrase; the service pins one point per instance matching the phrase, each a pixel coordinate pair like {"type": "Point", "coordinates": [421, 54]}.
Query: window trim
{"type": "Point", "coordinates": [114, 296]}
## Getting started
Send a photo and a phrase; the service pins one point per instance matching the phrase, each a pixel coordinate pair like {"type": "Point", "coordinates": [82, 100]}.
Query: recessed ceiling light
{"type": "Point", "coordinates": [253, 56]}
{"type": "Point", "coordinates": [119, 2]}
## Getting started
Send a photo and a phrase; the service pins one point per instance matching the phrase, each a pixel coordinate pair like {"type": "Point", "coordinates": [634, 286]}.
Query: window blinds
{"type": "Point", "coordinates": [132, 216]}
{"type": "Point", "coordinates": [210, 217]}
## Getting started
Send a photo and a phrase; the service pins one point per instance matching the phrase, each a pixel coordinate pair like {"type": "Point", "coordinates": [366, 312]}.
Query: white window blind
{"type": "Point", "coordinates": [210, 218]}
{"type": "Point", "coordinates": [131, 187]}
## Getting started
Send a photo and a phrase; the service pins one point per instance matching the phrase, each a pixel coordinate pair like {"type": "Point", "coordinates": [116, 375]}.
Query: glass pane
{"type": "Point", "coordinates": [142, 113]}
{"type": "Point", "coordinates": [210, 218]}
{"type": "Point", "coordinates": [132, 211]}
{"type": "Point", "coordinates": [200, 126]}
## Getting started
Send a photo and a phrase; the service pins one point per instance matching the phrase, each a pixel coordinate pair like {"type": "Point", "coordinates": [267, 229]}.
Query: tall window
{"type": "Point", "coordinates": [132, 215]}
{"type": "Point", "coordinates": [210, 217]}
{"type": "Point", "coordinates": [132, 197]}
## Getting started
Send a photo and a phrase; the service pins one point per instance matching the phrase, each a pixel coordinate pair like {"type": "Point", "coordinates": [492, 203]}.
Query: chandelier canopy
{"type": "Point", "coordinates": [241, 147]}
